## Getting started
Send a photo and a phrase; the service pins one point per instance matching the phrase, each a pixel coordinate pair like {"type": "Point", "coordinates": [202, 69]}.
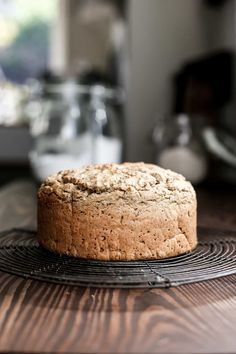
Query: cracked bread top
{"type": "Point", "coordinates": [130, 181]}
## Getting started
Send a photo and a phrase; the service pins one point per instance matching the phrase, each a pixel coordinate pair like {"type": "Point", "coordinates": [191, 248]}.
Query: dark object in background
{"type": "Point", "coordinates": [49, 77]}
{"type": "Point", "coordinates": [215, 3]}
{"type": "Point", "coordinates": [94, 77]}
{"type": "Point", "coordinates": [205, 85]}
{"type": "Point", "coordinates": [203, 91]}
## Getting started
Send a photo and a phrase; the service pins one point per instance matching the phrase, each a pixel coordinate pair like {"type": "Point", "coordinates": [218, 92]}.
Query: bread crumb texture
{"type": "Point", "coordinates": [124, 211]}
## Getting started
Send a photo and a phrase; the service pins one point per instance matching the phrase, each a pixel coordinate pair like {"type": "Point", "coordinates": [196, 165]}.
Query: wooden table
{"type": "Point", "coordinates": [46, 318]}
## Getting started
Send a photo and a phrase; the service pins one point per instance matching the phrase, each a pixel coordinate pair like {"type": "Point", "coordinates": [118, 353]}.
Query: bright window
{"type": "Point", "coordinates": [25, 27]}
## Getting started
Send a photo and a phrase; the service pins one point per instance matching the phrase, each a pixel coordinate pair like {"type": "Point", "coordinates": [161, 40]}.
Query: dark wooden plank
{"type": "Point", "coordinates": [41, 317]}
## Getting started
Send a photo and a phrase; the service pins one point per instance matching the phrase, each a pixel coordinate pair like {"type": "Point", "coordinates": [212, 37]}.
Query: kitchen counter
{"type": "Point", "coordinates": [48, 318]}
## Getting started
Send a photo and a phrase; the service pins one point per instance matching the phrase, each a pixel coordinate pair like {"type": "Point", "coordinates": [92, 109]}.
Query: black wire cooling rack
{"type": "Point", "coordinates": [215, 256]}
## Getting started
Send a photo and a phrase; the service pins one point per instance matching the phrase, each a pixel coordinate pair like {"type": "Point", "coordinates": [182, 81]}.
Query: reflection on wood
{"type": "Point", "coordinates": [50, 318]}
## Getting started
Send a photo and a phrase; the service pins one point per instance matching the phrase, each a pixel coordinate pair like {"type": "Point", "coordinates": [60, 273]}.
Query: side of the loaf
{"type": "Point", "coordinates": [112, 227]}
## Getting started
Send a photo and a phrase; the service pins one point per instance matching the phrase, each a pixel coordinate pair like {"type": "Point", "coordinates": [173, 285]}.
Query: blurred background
{"type": "Point", "coordinates": [93, 81]}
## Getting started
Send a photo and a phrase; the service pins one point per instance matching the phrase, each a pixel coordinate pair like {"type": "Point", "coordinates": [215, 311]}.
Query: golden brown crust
{"type": "Point", "coordinates": [117, 212]}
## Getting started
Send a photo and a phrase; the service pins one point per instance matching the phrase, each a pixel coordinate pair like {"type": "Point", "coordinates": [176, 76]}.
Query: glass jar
{"type": "Point", "coordinates": [105, 126]}
{"type": "Point", "coordinates": [179, 147]}
{"type": "Point", "coordinates": [58, 128]}
{"type": "Point", "coordinates": [73, 125]}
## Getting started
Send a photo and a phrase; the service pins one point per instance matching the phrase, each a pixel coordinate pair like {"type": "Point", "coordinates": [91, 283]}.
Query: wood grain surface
{"type": "Point", "coordinates": [18, 205]}
{"type": "Point", "coordinates": [45, 318]}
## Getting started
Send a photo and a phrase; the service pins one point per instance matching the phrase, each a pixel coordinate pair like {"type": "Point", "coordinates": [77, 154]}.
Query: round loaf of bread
{"type": "Point", "coordinates": [125, 212]}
